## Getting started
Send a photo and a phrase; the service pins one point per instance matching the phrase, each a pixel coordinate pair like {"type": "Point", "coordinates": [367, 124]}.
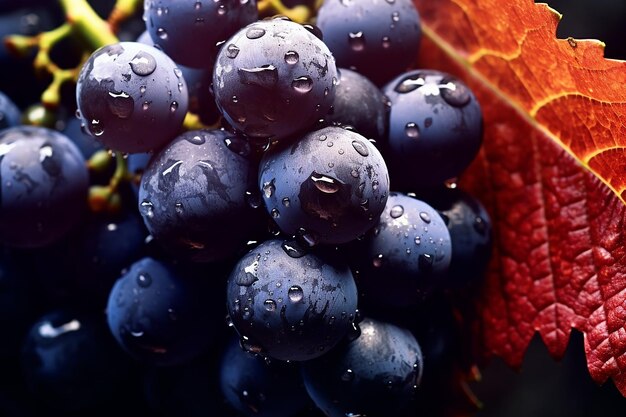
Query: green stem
{"type": "Point", "coordinates": [86, 22]}
{"type": "Point", "coordinates": [121, 173]}
{"type": "Point", "coordinates": [122, 11]}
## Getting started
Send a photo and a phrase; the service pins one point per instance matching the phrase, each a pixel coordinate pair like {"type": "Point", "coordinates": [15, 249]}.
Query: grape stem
{"type": "Point", "coordinates": [299, 14]}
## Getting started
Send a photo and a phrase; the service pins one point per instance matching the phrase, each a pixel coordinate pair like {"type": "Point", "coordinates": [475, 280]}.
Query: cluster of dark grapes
{"type": "Point", "coordinates": [298, 258]}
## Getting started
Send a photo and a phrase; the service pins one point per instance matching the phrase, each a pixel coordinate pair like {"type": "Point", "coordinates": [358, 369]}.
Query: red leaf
{"type": "Point", "coordinates": [552, 174]}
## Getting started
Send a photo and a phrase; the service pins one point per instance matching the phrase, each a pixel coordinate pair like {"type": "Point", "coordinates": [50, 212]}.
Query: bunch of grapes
{"type": "Point", "coordinates": [247, 216]}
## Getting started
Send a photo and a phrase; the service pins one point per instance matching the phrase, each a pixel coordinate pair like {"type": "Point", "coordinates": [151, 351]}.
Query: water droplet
{"type": "Point", "coordinates": [347, 376]}
{"type": "Point", "coordinates": [253, 198]}
{"type": "Point", "coordinates": [270, 305]}
{"type": "Point", "coordinates": [302, 84]}
{"type": "Point", "coordinates": [146, 105]}
{"type": "Point", "coordinates": [295, 293]}
{"type": "Point", "coordinates": [197, 5]}
{"type": "Point", "coordinates": [425, 262]}
{"type": "Point", "coordinates": [418, 240]}
{"type": "Point", "coordinates": [263, 76]}
{"type": "Point", "coordinates": [247, 345]}
{"type": "Point", "coordinates": [378, 261]}
{"type": "Point", "coordinates": [147, 209]}
{"type": "Point", "coordinates": [162, 33]}
{"type": "Point", "coordinates": [412, 130]}
{"type": "Point", "coordinates": [425, 217]}
{"type": "Point", "coordinates": [391, 1]}
{"type": "Point", "coordinates": [330, 144]}
{"type": "Point", "coordinates": [238, 145]}
{"type": "Point", "coordinates": [180, 87]}
{"type": "Point", "coordinates": [121, 104]}
{"type": "Point", "coordinates": [395, 16]}
{"type": "Point", "coordinates": [174, 106]}
{"type": "Point", "coordinates": [221, 10]}
{"type": "Point", "coordinates": [143, 64]}
{"type": "Point", "coordinates": [454, 92]}
{"type": "Point", "coordinates": [232, 51]}
{"type": "Point", "coordinates": [293, 249]}
{"type": "Point", "coordinates": [292, 57]}
{"type": "Point", "coordinates": [360, 148]}
{"type": "Point", "coordinates": [317, 32]}
{"type": "Point", "coordinates": [410, 83]}
{"type": "Point", "coordinates": [275, 213]}
{"type": "Point", "coordinates": [269, 188]}
{"type": "Point", "coordinates": [375, 185]}
{"type": "Point", "coordinates": [356, 41]}
{"type": "Point", "coordinates": [179, 208]}
{"type": "Point", "coordinates": [322, 138]}
{"type": "Point", "coordinates": [325, 183]}
{"type": "Point", "coordinates": [144, 280]}
{"type": "Point", "coordinates": [255, 32]}
{"type": "Point", "coordinates": [196, 139]}
{"type": "Point", "coordinates": [396, 211]}
{"type": "Point", "coordinates": [142, 89]}
{"type": "Point", "coordinates": [386, 42]}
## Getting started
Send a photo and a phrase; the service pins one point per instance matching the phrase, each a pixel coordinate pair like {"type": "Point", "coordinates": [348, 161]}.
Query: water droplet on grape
{"type": "Point", "coordinates": [302, 84]}
{"type": "Point", "coordinates": [295, 293]}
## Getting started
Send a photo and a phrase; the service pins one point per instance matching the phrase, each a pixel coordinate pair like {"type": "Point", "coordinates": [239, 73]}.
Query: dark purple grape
{"type": "Point", "coordinates": [274, 78]}
{"type": "Point", "coordinates": [435, 128]}
{"type": "Point", "coordinates": [470, 232]}
{"type": "Point", "coordinates": [9, 113]}
{"type": "Point", "coordinates": [131, 97]}
{"type": "Point", "coordinates": [329, 187]}
{"type": "Point", "coordinates": [193, 195]}
{"type": "Point", "coordinates": [159, 315]}
{"type": "Point", "coordinates": [405, 256]}
{"type": "Point", "coordinates": [70, 362]}
{"type": "Point", "coordinates": [288, 304]}
{"type": "Point", "coordinates": [376, 38]}
{"type": "Point", "coordinates": [192, 32]}
{"type": "Point", "coordinates": [257, 387]}
{"type": "Point", "coordinates": [77, 134]}
{"type": "Point", "coordinates": [377, 374]}
{"type": "Point", "coordinates": [360, 105]}
{"type": "Point", "coordinates": [43, 187]}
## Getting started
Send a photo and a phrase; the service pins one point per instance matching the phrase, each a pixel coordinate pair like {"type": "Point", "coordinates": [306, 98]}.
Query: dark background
{"type": "Point", "coordinates": [545, 387]}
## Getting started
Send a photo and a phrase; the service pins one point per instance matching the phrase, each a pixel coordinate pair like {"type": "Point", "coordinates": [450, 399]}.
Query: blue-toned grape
{"type": "Point", "coordinates": [274, 78]}
{"type": "Point", "coordinates": [377, 374]}
{"type": "Point", "coordinates": [193, 195]}
{"type": "Point", "coordinates": [257, 387]}
{"type": "Point", "coordinates": [376, 38]}
{"type": "Point", "coordinates": [329, 187]}
{"type": "Point", "coordinates": [405, 256]}
{"type": "Point", "coordinates": [289, 304]}
{"type": "Point", "coordinates": [360, 105]}
{"type": "Point", "coordinates": [9, 113]}
{"type": "Point", "coordinates": [435, 128]}
{"type": "Point", "coordinates": [159, 315]}
{"type": "Point", "coordinates": [470, 232]}
{"type": "Point", "coordinates": [192, 32]}
{"type": "Point", "coordinates": [70, 362]}
{"type": "Point", "coordinates": [43, 186]}
{"type": "Point", "coordinates": [131, 97]}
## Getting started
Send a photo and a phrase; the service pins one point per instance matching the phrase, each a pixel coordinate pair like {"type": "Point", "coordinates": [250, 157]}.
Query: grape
{"type": "Point", "coordinates": [131, 97]}
{"type": "Point", "coordinates": [71, 363]}
{"type": "Point", "coordinates": [193, 195]}
{"type": "Point", "coordinates": [43, 186]}
{"type": "Point", "coordinates": [376, 38]}
{"type": "Point", "coordinates": [9, 113]}
{"type": "Point", "coordinates": [175, 24]}
{"type": "Point", "coordinates": [409, 251]}
{"type": "Point", "coordinates": [160, 317]}
{"type": "Point", "coordinates": [360, 105]}
{"type": "Point", "coordinates": [256, 387]}
{"type": "Point", "coordinates": [470, 233]}
{"type": "Point", "coordinates": [375, 375]}
{"type": "Point", "coordinates": [274, 78]}
{"type": "Point", "coordinates": [289, 304]}
{"type": "Point", "coordinates": [329, 187]}
{"type": "Point", "coordinates": [435, 128]}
